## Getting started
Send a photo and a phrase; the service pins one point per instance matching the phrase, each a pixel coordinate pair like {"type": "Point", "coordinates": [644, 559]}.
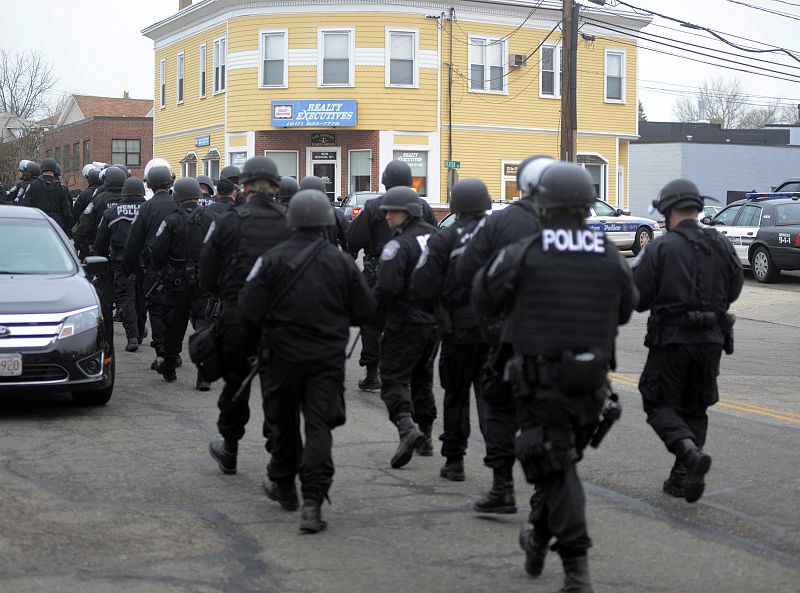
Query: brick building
{"type": "Point", "coordinates": [105, 129]}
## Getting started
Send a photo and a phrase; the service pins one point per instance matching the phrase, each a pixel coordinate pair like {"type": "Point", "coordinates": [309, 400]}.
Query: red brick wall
{"type": "Point", "coordinates": [299, 140]}
{"type": "Point", "coordinates": [100, 131]}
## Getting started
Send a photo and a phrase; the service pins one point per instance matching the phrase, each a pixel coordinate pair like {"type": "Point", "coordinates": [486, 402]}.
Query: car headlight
{"type": "Point", "coordinates": [656, 226]}
{"type": "Point", "coordinates": [79, 322]}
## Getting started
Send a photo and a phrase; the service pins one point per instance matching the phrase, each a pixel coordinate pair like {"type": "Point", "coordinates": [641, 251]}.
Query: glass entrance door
{"type": "Point", "coordinates": [327, 171]}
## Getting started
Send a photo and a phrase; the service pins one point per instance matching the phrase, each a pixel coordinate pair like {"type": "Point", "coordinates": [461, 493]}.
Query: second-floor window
{"type": "Point", "coordinates": [487, 64]}
{"type": "Point", "coordinates": [550, 74]}
{"type": "Point", "coordinates": [273, 58]}
{"type": "Point", "coordinates": [337, 59]}
{"type": "Point", "coordinates": [401, 47]}
{"type": "Point", "coordinates": [126, 152]}
{"type": "Point", "coordinates": [615, 76]}
{"type": "Point", "coordinates": [163, 84]}
{"type": "Point", "coordinates": [220, 53]}
{"type": "Point", "coordinates": [86, 151]}
{"type": "Point", "coordinates": [180, 77]}
{"type": "Point", "coordinates": [203, 70]}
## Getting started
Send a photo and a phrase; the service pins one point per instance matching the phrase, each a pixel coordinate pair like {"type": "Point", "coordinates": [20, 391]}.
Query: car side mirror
{"type": "Point", "coordinates": [619, 212]}
{"type": "Point", "coordinates": [94, 265]}
{"type": "Point", "coordinates": [706, 220]}
{"type": "Point", "coordinates": [338, 201]}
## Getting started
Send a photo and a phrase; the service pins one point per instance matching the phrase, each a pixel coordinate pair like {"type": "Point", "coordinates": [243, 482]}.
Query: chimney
{"type": "Point", "coordinates": [125, 95]}
{"type": "Point", "coordinates": [183, 4]}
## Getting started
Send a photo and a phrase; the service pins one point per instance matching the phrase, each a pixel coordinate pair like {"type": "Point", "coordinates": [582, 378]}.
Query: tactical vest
{"type": "Point", "coordinates": [567, 297]}
{"type": "Point", "coordinates": [184, 261]}
{"type": "Point", "coordinates": [456, 297]}
{"type": "Point", "coordinates": [120, 225]}
{"type": "Point", "coordinates": [46, 195]}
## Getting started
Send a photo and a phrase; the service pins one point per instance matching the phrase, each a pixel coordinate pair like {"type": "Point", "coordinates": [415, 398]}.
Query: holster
{"type": "Point", "coordinates": [653, 337]}
{"type": "Point", "coordinates": [494, 388]}
{"type": "Point", "coordinates": [727, 320]}
{"type": "Point", "coordinates": [516, 376]}
{"type": "Point", "coordinates": [612, 411]}
{"type": "Point", "coordinates": [545, 452]}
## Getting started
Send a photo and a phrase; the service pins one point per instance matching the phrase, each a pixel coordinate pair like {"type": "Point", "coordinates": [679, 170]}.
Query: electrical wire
{"type": "Point", "coordinates": [765, 9]}
{"type": "Point", "coordinates": [504, 37]}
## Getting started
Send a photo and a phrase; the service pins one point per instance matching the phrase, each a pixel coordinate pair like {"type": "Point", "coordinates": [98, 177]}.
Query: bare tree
{"type": "Point", "coordinates": [722, 100]}
{"type": "Point", "coordinates": [26, 79]}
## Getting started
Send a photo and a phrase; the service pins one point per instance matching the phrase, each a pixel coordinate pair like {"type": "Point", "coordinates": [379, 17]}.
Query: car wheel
{"type": "Point", "coordinates": [763, 269]}
{"type": "Point", "coordinates": [643, 236]}
{"type": "Point", "coordinates": [96, 397]}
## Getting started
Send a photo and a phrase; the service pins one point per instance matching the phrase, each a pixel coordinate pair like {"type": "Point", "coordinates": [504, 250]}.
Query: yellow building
{"type": "Point", "coordinates": [339, 89]}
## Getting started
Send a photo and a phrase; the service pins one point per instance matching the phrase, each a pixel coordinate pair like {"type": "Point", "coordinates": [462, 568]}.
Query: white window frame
{"type": "Point", "coordinates": [349, 173]}
{"type": "Point", "coordinates": [185, 166]}
{"type": "Point", "coordinates": [557, 54]}
{"type": "Point", "coordinates": [162, 85]}
{"type": "Point", "coordinates": [619, 52]}
{"type": "Point", "coordinates": [388, 57]}
{"type": "Point", "coordinates": [296, 162]}
{"type": "Point", "coordinates": [261, 47]}
{"type": "Point", "coordinates": [223, 66]}
{"type": "Point", "coordinates": [337, 184]}
{"type": "Point", "coordinates": [180, 77]}
{"type": "Point", "coordinates": [504, 56]}
{"type": "Point", "coordinates": [351, 31]}
{"type": "Point", "coordinates": [206, 165]}
{"type": "Point", "coordinates": [203, 71]}
{"type": "Point", "coordinates": [504, 178]}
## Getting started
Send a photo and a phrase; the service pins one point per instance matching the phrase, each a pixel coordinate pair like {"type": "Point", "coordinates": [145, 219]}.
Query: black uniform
{"type": "Point", "coordinates": [176, 249]}
{"type": "Point", "coordinates": [138, 248]}
{"type": "Point", "coordinates": [563, 298]}
{"type": "Point", "coordinates": [115, 226]}
{"type": "Point", "coordinates": [464, 349]}
{"type": "Point", "coordinates": [236, 239]}
{"type": "Point", "coordinates": [409, 342]}
{"type": "Point", "coordinates": [687, 279]}
{"type": "Point", "coordinates": [305, 333]}
{"type": "Point", "coordinates": [81, 202]}
{"type": "Point", "coordinates": [221, 204]}
{"type": "Point", "coordinates": [50, 196]}
{"type": "Point", "coordinates": [89, 222]}
{"type": "Point", "coordinates": [16, 194]}
{"type": "Point", "coordinates": [370, 232]}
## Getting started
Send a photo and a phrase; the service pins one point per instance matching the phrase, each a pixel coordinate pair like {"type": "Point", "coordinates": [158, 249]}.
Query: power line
{"type": "Point", "coordinates": [765, 9]}
{"type": "Point", "coordinates": [504, 37]}
{"type": "Point", "coordinates": [695, 87]}
{"type": "Point", "coordinates": [697, 93]}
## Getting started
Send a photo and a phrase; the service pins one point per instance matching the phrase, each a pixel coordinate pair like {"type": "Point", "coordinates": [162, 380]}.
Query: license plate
{"type": "Point", "coordinates": [10, 365]}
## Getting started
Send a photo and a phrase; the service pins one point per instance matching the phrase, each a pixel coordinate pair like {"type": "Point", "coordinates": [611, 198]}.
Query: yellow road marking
{"type": "Point", "coordinates": [790, 417]}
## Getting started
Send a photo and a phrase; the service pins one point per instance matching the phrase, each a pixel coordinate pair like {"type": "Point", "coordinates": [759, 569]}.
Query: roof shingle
{"type": "Point", "coordinates": [112, 107]}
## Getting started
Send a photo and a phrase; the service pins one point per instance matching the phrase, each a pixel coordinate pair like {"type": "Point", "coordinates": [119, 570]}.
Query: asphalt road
{"type": "Point", "coordinates": [125, 498]}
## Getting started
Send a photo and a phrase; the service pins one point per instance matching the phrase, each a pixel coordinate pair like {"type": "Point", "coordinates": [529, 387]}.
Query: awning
{"type": "Point", "coordinates": [189, 158]}
{"type": "Point", "coordinates": [591, 159]}
{"type": "Point", "coordinates": [211, 155]}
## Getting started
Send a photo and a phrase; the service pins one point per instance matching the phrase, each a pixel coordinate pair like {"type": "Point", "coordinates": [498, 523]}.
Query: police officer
{"type": "Point", "coordinates": [26, 172]}
{"type": "Point", "coordinates": [305, 294]}
{"type": "Point", "coordinates": [48, 195]}
{"type": "Point", "coordinates": [566, 289]}
{"type": "Point", "coordinates": [687, 279]}
{"type": "Point", "coordinates": [370, 232]}
{"type": "Point", "coordinates": [464, 349]}
{"type": "Point", "coordinates": [207, 189]}
{"type": "Point", "coordinates": [176, 248]}
{"type": "Point", "coordinates": [231, 173]}
{"type": "Point", "coordinates": [139, 245]}
{"type": "Point", "coordinates": [409, 340]}
{"type": "Point", "coordinates": [520, 219]}
{"type": "Point", "coordinates": [89, 222]}
{"type": "Point", "coordinates": [234, 241]}
{"type": "Point", "coordinates": [92, 176]}
{"type": "Point", "coordinates": [336, 234]}
{"type": "Point", "coordinates": [225, 197]}
{"type": "Point", "coordinates": [114, 229]}
{"type": "Point", "coordinates": [287, 188]}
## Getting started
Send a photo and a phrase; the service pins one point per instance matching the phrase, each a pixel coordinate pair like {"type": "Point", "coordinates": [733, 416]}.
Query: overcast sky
{"type": "Point", "coordinates": [97, 48]}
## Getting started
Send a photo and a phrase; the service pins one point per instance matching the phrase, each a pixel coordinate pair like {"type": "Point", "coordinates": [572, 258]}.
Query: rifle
{"type": "Point", "coordinates": [155, 288]}
{"type": "Point", "coordinates": [353, 347]}
{"type": "Point", "coordinates": [256, 362]}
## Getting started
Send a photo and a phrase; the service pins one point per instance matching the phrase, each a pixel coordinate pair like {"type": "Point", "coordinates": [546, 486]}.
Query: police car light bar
{"type": "Point", "coordinates": [774, 194]}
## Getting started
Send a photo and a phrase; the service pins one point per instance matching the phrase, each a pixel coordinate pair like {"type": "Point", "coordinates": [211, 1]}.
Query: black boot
{"type": "Point", "coordinates": [167, 370]}
{"type": "Point", "coordinates": [453, 470]}
{"type": "Point", "coordinates": [371, 382]}
{"type": "Point", "coordinates": [311, 516]}
{"type": "Point", "coordinates": [157, 363]}
{"type": "Point", "coordinates": [500, 499]}
{"type": "Point", "coordinates": [224, 453]}
{"type": "Point", "coordinates": [535, 550]}
{"type": "Point", "coordinates": [284, 493]}
{"type": "Point", "coordinates": [410, 438]}
{"type": "Point", "coordinates": [697, 465]}
{"type": "Point", "coordinates": [132, 346]}
{"type": "Point", "coordinates": [426, 448]}
{"type": "Point", "coordinates": [675, 483]}
{"type": "Point", "coordinates": [201, 384]}
{"type": "Point", "coordinates": [576, 575]}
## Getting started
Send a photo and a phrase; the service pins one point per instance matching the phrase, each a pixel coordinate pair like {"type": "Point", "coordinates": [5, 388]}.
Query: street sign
{"type": "Point", "coordinates": [452, 164]}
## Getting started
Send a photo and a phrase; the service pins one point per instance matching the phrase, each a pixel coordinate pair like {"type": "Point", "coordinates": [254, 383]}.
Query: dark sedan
{"type": "Point", "coordinates": [52, 335]}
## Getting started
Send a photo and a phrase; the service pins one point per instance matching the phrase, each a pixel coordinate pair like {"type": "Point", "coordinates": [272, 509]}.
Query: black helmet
{"type": "Point", "coordinates": [678, 192]}
{"type": "Point", "coordinates": [310, 208]}
{"type": "Point", "coordinates": [259, 167]}
{"type": "Point", "coordinates": [230, 172]}
{"type": "Point", "coordinates": [470, 195]}
{"type": "Point", "coordinates": [114, 177]}
{"type": "Point", "coordinates": [32, 169]}
{"type": "Point", "coordinates": [396, 173]}
{"type": "Point", "coordinates": [287, 188]}
{"type": "Point", "coordinates": [207, 181]}
{"type": "Point", "coordinates": [313, 182]}
{"type": "Point", "coordinates": [402, 198]}
{"type": "Point", "coordinates": [529, 172]}
{"type": "Point", "coordinates": [133, 186]}
{"type": "Point", "coordinates": [186, 188]}
{"type": "Point", "coordinates": [50, 165]}
{"type": "Point", "coordinates": [564, 185]}
{"type": "Point", "coordinates": [124, 169]}
{"type": "Point", "coordinates": [158, 177]}
{"type": "Point", "coordinates": [93, 176]}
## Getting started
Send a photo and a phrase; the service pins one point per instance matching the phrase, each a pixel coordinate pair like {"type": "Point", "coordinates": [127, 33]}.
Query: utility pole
{"type": "Point", "coordinates": [569, 83]}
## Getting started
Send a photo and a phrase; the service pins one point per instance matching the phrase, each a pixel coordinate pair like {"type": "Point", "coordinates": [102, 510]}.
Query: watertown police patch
{"type": "Point", "coordinates": [574, 240]}
{"type": "Point", "coordinates": [390, 250]}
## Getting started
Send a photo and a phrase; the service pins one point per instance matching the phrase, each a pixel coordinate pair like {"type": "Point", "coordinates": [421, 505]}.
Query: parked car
{"type": "Point", "coordinates": [790, 185]}
{"type": "Point", "coordinates": [52, 335]}
{"type": "Point", "coordinates": [451, 218]}
{"type": "Point", "coordinates": [353, 204]}
{"type": "Point", "coordinates": [765, 232]}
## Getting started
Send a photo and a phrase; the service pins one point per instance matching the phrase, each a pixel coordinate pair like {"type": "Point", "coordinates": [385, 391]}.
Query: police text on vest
{"type": "Point", "coordinates": [574, 240]}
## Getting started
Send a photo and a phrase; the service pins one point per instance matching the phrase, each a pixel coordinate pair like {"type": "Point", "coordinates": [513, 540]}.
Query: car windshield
{"type": "Point", "coordinates": [361, 199]}
{"type": "Point", "coordinates": [32, 247]}
{"type": "Point", "coordinates": [787, 214]}
{"type": "Point", "coordinates": [603, 209]}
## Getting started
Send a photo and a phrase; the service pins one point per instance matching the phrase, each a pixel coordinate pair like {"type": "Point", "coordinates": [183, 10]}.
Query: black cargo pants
{"type": "Point", "coordinates": [155, 303]}
{"type": "Point", "coordinates": [180, 307]}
